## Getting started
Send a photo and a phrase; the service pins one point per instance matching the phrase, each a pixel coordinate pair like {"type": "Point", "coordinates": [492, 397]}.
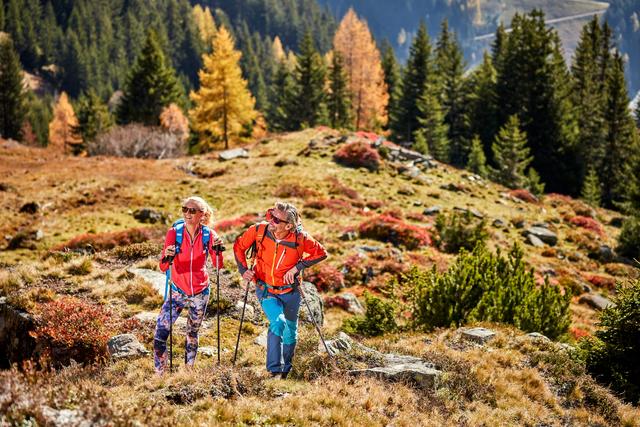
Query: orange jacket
{"type": "Point", "coordinates": [275, 257]}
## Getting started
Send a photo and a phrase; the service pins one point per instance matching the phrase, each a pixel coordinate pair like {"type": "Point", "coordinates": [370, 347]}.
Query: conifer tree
{"type": "Point", "coordinates": [391, 70]}
{"type": "Point", "coordinates": [75, 70]}
{"type": "Point", "coordinates": [499, 46]}
{"type": "Point", "coordinates": [223, 105]}
{"type": "Point", "coordinates": [13, 107]}
{"type": "Point", "coordinates": [418, 70]}
{"type": "Point", "coordinates": [93, 117]}
{"type": "Point", "coordinates": [369, 96]}
{"type": "Point", "coordinates": [280, 116]}
{"type": "Point", "coordinates": [338, 100]}
{"type": "Point", "coordinates": [431, 124]}
{"type": "Point", "coordinates": [511, 155]}
{"type": "Point", "coordinates": [477, 162]}
{"type": "Point", "coordinates": [1, 15]}
{"type": "Point", "coordinates": [40, 114]}
{"type": "Point", "coordinates": [591, 188]}
{"type": "Point", "coordinates": [621, 141]}
{"type": "Point", "coordinates": [205, 23]}
{"type": "Point", "coordinates": [309, 103]}
{"type": "Point", "coordinates": [482, 102]}
{"type": "Point", "coordinates": [449, 69]}
{"type": "Point", "coordinates": [151, 85]}
{"type": "Point", "coordinates": [279, 55]}
{"type": "Point", "coordinates": [420, 143]}
{"type": "Point", "coordinates": [63, 136]}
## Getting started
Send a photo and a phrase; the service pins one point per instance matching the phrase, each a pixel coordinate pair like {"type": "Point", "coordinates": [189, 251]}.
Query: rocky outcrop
{"type": "Point", "coordinates": [315, 304]}
{"type": "Point", "coordinates": [16, 343]}
{"type": "Point", "coordinates": [126, 346]}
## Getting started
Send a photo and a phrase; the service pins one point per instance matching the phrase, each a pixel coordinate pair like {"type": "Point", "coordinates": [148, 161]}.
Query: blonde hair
{"type": "Point", "coordinates": [207, 215]}
{"type": "Point", "coordinates": [293, 217]}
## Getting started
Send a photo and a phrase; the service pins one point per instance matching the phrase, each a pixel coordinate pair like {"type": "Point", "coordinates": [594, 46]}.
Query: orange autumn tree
{"type": "Point", "coordinates": [173, 120]}
{"type": "Point", "coordinates": [223, 104]}
{"type": "Point", "coordinates": [63, 137]}
{"type": "Point", "coordinates": [369, 96]}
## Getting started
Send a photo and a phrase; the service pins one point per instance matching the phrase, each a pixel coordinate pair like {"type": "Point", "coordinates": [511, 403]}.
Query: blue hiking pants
{"type": "Point", "coordinates": [282, 312]}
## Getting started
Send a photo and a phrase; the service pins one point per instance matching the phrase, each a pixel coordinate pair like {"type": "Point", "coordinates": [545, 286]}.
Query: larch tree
{"type": "Point", "coordinates": [63, 135]}
{"type": "Point", "coordinates": [13, 97]}
{"type": "Point", "coordinates": [205, 23]}
{"type": "Point", "coordinates": [369, 97]}
{"type": "Point", "coordinates": [173, 120]}
{"type": "Point", "coordinates": [279, 55]}
{"type": "Point", "coordinates": [223, 105]}
{"type": "Point", "coordinates": [151, 85]}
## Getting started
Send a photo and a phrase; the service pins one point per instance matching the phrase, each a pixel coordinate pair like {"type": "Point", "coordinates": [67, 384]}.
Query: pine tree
{"type": "Point", "coordinates": [511, 155]}
{"type": "Point", "coordinates": [40, 114]}
{"type": "Point", "coordinates": [483, 109]}
{"type": "Point", "coordinates": [13, 109]}
{"type": "Point", "coordinates": [93, 118]}
{"type": "Point", "coordinates": [449, 69]}
{"type": "Point", "coordinates": [280, 116]}
{"type": "Point", "coordinates": [63, 137]}
{"type": "Point", "coordinates": [223, 105]}
{"type": "Point", "coordinates": [151, 85]}
{"type": "Point", "coordinates": [431, 124]}
{"type": "Point", "coordinates": [417, 71]}
{"type": "Point", "coordinates": [338, 100]}
{"type": "Point", "coordinates": [369, 96]}
{"type": "Point", "coordinates": [1, 15]}
{"type": "Point", "coordinates": [391, 70]}
{"type": "Point", "coordinates": [477, 162]}
{"type": "Point", "coordinates": [621, 141]}
{"type": "Point", "coordinates": [420, 143]}
{"type": "Point", "coordinates": [591, 189]}
{"type": "Point", "coordinates": [309, 103]}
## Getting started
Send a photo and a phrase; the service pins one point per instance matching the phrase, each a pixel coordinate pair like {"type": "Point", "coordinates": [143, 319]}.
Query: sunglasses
{"type": "Point", "coordinates": [192, 211]}
{"type": "Point", "coordinates": [271, 217]}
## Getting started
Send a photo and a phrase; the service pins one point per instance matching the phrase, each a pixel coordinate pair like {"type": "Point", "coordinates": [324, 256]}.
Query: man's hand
{"type": "Point", "coordinates": [289, 276]}
{"type": "Point", "coordinates": [248, 275]}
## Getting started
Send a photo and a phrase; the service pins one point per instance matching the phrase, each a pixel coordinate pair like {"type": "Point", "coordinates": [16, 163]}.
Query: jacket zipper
{"type": "Point", "coordinates": [191, 263]}
{"type": "Point", "coordinates": [273, 264]}
{"type": "Point", "coordinates": [281, 257]}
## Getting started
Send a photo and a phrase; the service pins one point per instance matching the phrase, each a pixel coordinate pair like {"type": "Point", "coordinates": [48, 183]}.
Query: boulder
{"type": "Point", "coordinates": [249, 311]}
{"type": "Point", "coordinates": [148, 216]}
{"type": "Point", "coordinates": [535, 241]}
{"type": "Point", "coordinates": [479, 335]}
{"type": "Point", "coordinates": [347, 301]}
{"type": "Point", "coordinates": [233, 154]}
{"type": "Point", "coordinates": [261, 339]}
{"type": "Point", "coordinates": [207, 351]}
{"type": "Point", "coordinates": [544, 234]}
{"type": "Point", "coordinates": [473, 212]}
{"type": "Point", "coordinates": [25, 239]}
{"type": "Point", "coordinates": [433, 210]}
{"type": "Point", "coordinates": [595, 301]}
{"type": "Point", "coordinates": [422, 376]}
{"type": "Point", "coordinates": [126, 346]}
{"type": "Point", "coordinates": [314, 302]}
{"type": "Point", "coordinates": [537, 336]}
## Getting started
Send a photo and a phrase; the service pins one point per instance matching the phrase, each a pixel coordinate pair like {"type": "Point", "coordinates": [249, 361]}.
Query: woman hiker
{"type": "Point", "coordinates": [189, 285]}
{"type": "Point", "coordinates": [279, 247]}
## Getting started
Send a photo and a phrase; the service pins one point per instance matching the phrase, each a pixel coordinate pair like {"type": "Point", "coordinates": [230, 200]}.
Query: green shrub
{"type": "Point", "coordinates": [481, 286]}
{"type": "Point", "coordinates": [377, 320]}
{"type": "Point", "coordinates": [459, 231]}
{"type": "Point", "coordinates": [629, 239]}
{"type": "Point", "coordinates": [612, 353]}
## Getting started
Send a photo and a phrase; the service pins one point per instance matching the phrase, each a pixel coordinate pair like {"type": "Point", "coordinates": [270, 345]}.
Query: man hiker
{"type": "Point", "coordinates": [279, 245]}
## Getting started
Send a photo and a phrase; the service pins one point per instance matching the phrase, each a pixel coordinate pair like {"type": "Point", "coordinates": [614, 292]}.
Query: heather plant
{"type": "Point", "coordinates": [325, 277]}
{"type": "Point", "coordinates": [611, 354]}
{"type": "Point", "coordinates": [459, 231]}
{"type": "Point", "coordinates": [379, 318]}
{"type": "Point", "coordinates": [386, 228]}
{"type": "Point", "coordinates": [481, 286]}
{"type": "Point", "coordinates": [358, 154]}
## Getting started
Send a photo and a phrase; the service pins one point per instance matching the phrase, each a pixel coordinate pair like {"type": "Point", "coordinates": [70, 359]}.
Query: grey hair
{"type": "Point", "coordinates": [293, 217]}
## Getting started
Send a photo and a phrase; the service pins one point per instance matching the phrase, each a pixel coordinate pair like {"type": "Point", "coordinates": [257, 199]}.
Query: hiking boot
{"type": "Point", "coordinates": [284, 375]}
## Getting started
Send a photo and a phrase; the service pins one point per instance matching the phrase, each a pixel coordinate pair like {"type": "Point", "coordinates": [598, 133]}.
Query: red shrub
{"type": "Point", "coordinates": [325, 277]}
{"type": "Point", "coordinates": [106, 241]}
{"type": "Point", "coordinates": [417, 216]}
{"type": "Point", "coordinates": [72, 328]}
{"type": "Point", "coordinates": [600, 281]}
{"type": "Point", "coordinates": [336, 301]}
{"type": "Point", "coordinates": [578, 333]}
{"type": "Point", "coordinates": [523, 195]}
{"type": "Point", "coordinates": [241, 221]}
{"type": "Point", "coordinates": [371, 136]}
{"type": "Point", "coordinates": [388, 229]}
{"type": "Point", "coordinates": [358, 154]}
{"type": "Point", "coordinates": [340, 189]}
{"type": "Point", "coordinates": [294, 190]}
{"type": "Point", "coordinates": [588, 223]}
{"type": "Point", "coordinates": [375, 204]}
{"type": "Point", "coordinates": [394, 213]}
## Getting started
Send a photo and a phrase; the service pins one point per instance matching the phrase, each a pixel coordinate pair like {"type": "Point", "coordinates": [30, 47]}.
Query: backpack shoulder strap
{"type": "Point", "coordinates": [300, 236]}
{"type": "Point", "coordinates": [206, 238]}
{"type": "Point", "coordinates": [178, 226]}
{"type": "Point", "coordinates": [261, 230]}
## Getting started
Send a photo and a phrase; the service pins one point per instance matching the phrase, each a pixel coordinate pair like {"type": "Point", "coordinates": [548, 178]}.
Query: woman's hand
{"type": "Point", "coordinates": [170, 251]}
{"type": "Point", "coordinates": [290, 276]}
{"type": "Point", "coordinates": [248, 275]}
{"type": "Point", "coordinates": [217, 241]}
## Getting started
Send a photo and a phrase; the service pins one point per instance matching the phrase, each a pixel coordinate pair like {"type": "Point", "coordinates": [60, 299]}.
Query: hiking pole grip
{"type": "Point", "coordinates": [244, 305]}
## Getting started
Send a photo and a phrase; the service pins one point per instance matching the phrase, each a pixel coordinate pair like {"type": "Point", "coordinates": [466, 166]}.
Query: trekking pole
{"type": "Point", "coordinates": [167, 289]}
{"type": "Point", "coordinates": [315, 323]}
{"type": "Point", "coordinates": [218, 298]}
{"type": "Point", "coordinates": [244, 305]}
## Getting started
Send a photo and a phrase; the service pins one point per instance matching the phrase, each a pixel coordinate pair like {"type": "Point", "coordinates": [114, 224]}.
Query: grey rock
{"type": "Point", "coordinates": [233, 154]}
{"type": "Point", "coordinates": [479, 335]}
{"type": "Point", "coordinates": [349, 236]}
{"type": "Point", "coordinates": [148, 216]}
{"type": "Point", "coordinates": [541, 224]}
{"type": "Point", "coordinates": [315, 304]}
{"type": "Point", "coordinates": [261, 339]}
{"type": "Point", "coordinates": [537, 336]}
{"type": "Point", "coordinates": [417, 203]}
{"type": "Point", "coordinates": [595, 301]}
{"type": "Point", "coordinates": [498, 223]}
{"type": "Point", "coordinates": [369, 248]}
{"type": "Point", "coordinates": [616, 221]}
{"type": "Point", "coordinates": [433, 210]}
{"type": "Point", "coordinates": [207, 351]}
{"type": "Point", "coordinates": [606, 254]}
{"type": "Point", "coordinates": [519, 224]}
{"type": "Point", "coordinates": [352, 303]}
{"type": "Point", "coordinates": [535, 241]}
{"type": "Point", "coordinates": [154, 278]}
{"type": "Point", "coordinates": [249, 311]}
{"type": "Point", "coordinates": [422, 376]}
{"type": "Point", "coordinates": [126, 346]}
{"type": "Point", "coordinates": [406, 191]}
{"type": "Point", "coordinates": [473, 212]}
{"type": "Point", "coordinates": [547, 236]}
{"type": "Point", "coordinates": [64, 417]}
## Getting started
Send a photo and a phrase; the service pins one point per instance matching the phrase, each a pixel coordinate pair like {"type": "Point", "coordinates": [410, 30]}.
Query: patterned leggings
{"type": "Point", "coordinates": [197, 308]}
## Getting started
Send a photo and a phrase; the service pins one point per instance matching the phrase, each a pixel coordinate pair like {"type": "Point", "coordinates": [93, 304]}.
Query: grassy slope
{"type": "Point", "coordinates": [97, 194]}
